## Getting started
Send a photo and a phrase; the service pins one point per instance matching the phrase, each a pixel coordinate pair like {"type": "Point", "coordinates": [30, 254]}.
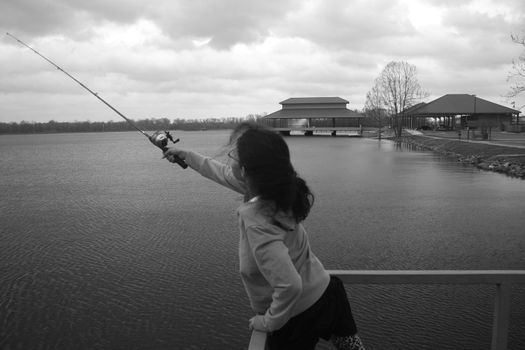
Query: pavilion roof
{"type": "Point", "coordinates": [313, 100]}
{"type": "Point", "coordinates": [453, 104]}
{"type": "Point", "coordinates": [302, 113]}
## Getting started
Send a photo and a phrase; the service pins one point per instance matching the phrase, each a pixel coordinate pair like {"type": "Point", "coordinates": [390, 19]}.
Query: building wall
{"type": "Point", "coordinates": [313, 122]}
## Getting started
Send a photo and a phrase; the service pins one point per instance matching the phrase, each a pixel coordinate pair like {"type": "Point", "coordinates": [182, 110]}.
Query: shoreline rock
{"type": "Point", "coordinates": [500, 159]}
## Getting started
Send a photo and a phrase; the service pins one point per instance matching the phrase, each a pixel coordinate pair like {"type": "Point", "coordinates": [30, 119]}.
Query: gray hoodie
{"type": "Point", "coordinates": [280, 273]}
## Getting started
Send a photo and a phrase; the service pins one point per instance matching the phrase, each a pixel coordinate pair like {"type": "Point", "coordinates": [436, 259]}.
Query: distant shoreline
{"type": "Point", "coordinates": [107, 131]}
{"type": "Point", "coordinates": [52, 127]}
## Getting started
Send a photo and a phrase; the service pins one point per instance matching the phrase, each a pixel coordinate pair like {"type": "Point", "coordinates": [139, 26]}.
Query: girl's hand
{"type": "Point", "coordinates": [257, 323]}
{"type": "Point", "coordinates": [172, 153]}
{"type": "Point", "coordinates": [176, 155]}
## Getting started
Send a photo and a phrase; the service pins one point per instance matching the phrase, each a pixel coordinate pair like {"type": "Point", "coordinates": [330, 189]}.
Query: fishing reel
{"type": "Point", "coordinates": [160, 139]}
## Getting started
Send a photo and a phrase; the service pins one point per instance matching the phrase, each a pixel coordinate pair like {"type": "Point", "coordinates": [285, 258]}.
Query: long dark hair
{"type": "Point", "coordinates": [265, 157]}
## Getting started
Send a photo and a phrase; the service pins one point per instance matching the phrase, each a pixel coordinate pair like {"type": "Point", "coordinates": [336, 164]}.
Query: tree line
{"type": "Point", "coordinates": [152, 124]}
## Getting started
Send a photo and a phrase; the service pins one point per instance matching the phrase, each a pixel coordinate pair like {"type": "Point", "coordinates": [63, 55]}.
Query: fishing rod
{"type": "Point", "coordinates": [159, 138]}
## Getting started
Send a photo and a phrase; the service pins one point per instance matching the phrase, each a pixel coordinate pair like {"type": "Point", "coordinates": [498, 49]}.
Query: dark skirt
{"type": "Point", "coordinates": [330, 315]}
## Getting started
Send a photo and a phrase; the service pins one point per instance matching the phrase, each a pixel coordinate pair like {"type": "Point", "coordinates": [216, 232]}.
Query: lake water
{"type": "Point", "coordinates": [103, 245]}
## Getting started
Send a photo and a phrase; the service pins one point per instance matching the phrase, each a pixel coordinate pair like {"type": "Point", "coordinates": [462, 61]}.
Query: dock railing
{"type": "Point", "coordinates": [502, 279]}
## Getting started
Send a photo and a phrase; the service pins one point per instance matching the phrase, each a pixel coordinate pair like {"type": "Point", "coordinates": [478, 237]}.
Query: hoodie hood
{"type": "Point", "coordinates": [284, 220]}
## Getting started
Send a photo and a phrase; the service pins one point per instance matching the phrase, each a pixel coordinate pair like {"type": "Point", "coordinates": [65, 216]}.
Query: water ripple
{"type": "Point", "coordinates": [101, 251]}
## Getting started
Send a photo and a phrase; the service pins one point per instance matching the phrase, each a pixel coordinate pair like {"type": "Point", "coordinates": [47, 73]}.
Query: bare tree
{"type": "Point", "coordinates": [517, 76]}
{"type": "Point", "coordinates": [398, 89]}
{"type": "Point", "coordinates": [374, 107]}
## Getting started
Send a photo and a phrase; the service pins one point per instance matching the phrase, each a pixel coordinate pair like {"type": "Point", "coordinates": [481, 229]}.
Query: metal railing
{"type": "Point", "coordinates": [502, 279]}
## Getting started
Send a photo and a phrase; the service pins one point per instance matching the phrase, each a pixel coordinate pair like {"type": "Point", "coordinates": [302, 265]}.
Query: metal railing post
{"type": "Point", "coordinates": [500, 327]}
{"type": "Point", "coordinates": [257, 341]}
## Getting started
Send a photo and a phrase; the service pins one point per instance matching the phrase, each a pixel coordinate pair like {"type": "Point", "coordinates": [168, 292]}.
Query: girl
{"type": "Point", "coordinates": [295, 299]}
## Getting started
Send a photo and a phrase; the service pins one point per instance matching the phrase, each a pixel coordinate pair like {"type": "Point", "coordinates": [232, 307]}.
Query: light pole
{"type": "Point", "coordinates": [517, 115]}
{"type": "Point", "coordinates": [473, 115]}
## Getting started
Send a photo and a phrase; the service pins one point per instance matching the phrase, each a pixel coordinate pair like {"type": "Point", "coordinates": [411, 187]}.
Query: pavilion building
{"type": "Point", "coordinates": [461, 111]}
{"type": "Point", "coordinates": [314, 114]}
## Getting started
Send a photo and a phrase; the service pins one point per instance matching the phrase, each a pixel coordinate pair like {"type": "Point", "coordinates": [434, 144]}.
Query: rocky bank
{"type": "Point", "coordinates": [501, 159]}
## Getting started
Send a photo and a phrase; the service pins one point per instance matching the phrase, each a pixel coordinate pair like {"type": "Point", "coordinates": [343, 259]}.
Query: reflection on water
{"type": "Point", "coordinates": [105, 245]}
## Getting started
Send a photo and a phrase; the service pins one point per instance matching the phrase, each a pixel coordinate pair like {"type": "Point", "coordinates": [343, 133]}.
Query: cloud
{"type": "Point", "coordinates": [236, 57]}
{"type": "Point", "coordinates": [19, 16]}
{"type": "Point", "coordinates": [226, 22]}
{"type": "Point", "coordinates": [344, 25]}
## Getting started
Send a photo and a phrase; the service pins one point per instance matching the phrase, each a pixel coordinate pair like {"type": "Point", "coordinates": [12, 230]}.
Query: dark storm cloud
{"type": "Point", "coordinates": [225, 22]}
{"type": "Point", "coordinates": [69, 18]}
{"type": "Point", "coordinates": [36, 17]}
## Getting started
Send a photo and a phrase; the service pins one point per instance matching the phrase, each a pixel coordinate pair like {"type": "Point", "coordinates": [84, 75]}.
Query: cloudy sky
{"type": "Point", "coordinates": [232, 58]}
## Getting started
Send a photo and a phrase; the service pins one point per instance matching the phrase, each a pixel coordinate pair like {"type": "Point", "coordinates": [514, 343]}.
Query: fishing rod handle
{"type": "Point", "coordinates": [180, 162]}
{"type": "Point", "coordinates": [176, 158]}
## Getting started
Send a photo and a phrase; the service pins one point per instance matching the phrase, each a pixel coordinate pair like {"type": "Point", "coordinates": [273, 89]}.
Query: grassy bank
{"type": "Point", "coordinates": [507, 160]}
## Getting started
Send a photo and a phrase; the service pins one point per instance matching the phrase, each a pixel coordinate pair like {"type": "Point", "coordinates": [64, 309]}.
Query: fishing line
{"type": "Point", "coordinates": [159, 138]}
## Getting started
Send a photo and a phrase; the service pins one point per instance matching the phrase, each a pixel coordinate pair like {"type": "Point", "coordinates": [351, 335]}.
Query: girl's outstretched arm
{"type": "Point", "coordinates": [210, 168]}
